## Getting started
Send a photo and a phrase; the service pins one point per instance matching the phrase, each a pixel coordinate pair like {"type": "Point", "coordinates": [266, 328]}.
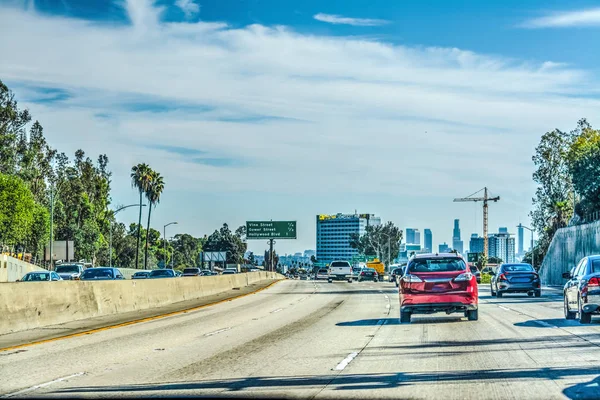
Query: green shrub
{"type": "Point", "coordinates": [486, 278]}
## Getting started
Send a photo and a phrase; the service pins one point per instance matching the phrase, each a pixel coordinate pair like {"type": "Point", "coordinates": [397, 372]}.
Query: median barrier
{"type": "Point", "coordinates": [28, 305]}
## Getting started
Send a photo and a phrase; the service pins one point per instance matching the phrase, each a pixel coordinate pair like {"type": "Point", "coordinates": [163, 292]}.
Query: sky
{"type": "Point", "coordinates": [282, 110]}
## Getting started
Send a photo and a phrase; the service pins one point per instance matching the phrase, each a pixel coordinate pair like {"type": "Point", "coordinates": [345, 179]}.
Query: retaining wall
{"type": "Point", "coordinates": [12, 268]}
{"type": "Point", "coordinates": [27, 305]}
{"type": "Point", "coordinates": [568, 246]}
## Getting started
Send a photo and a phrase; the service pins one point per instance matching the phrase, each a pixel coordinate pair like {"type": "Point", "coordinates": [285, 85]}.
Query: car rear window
{"type": "Point", "coordinates": [322, 271]}
{"type": "Point", "coordinates": [97, 273]}
{"type": "Point", "coordinates": [67, 269]}
{"type": "Point", "coordinates": [340, 264]}
{"type": "Point", "coordinates": [595, 266]}
{"type": "Point", "coordinates": [190, 271]}
{"type": "Point", "coordinates": [518, 268]}
{"type": "Point", "coordinates": [437, 265]}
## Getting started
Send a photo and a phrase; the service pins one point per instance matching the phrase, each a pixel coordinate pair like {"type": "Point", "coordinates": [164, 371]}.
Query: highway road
{"type": "Point", "coordinates": [306, 339]}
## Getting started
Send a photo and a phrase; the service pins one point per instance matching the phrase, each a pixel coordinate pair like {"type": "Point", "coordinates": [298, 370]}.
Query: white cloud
{"type": "Point", "coordinates": [323, 115]}
{"type": "Point", "coordinates": [580, 18]}
{"type": "Point", "coordinates": [341, 20]}
{"type": "Point", "coordinates": [189, 8]}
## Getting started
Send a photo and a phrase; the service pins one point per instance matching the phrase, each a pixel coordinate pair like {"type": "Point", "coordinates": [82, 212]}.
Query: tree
{"type": "Point", "coordinates": [494, 260]}
{"type": "Point", "coordinates": [16, 210]}
{"type": "Point", "coordinates": [153, 193]}
{"type": "Point", "coordinates": [553, 201]}
{"type": "Point", "coordinates": [12, 126]}
{"type": "Point", "coordinates": [224, 240]}
{"type": "Point", "coordinates": [140, 180]}
{"type": "Point", "coordinates": [381, 241]}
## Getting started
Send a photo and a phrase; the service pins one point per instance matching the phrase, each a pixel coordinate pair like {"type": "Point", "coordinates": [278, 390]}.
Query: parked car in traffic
{"type": "Point", "coordinates": [368, 274]}
{"type": "Point", "coordinates": [40, 276]}
{"type": "Point", "coordinates": [581, 293]}
{"type": "Point", "coordinates": [355, 272]}
{"type": "Point", "coordinates": [438, 283]}
{"type": "Point", "coordinates": [475, 271]}
{"type": "Point", "coordinates": [162, 273]}
{"type": "Point", "coordinates": [69, 272]}
{"type": "Point", "coordinates": [207, 272]}
{"type": "Point", "coordinates": [394, 275]}
{"type": "Point", "coordinates": [141, 275]}
{"type": "Point", "coordinates": [101, 274]}
{"type": "Point", "coordinates": [192, 272]}
{"type": "Point", "coordinates": [229, 272]}
{"type": "Point", "coordinates": [322, 273]}
{"type": "Point", "coordinates": [515, 278]}
{"type": "Point", "coordinates": [340, 271]}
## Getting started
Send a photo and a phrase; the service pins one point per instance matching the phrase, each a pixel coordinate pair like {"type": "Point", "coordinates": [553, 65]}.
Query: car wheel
{"type": "Point", "coordinates": [530, 294]}
{"type": "Point", "coordinates": [568, 314]}
{"type": "Point", "coordinates": [329, 280]}
{"type": "Point", "coordinates": [538, 293]}
{"type": "Point", "coordinates": [473, 315]}
{"type": "Point", "coordinates": [498, 294]}
{"type": "Point", "coordinates": [396, 284]}
{"type": "Point", "coordinates": [350, 280]}
{"type": "Point", "coordinates": [584, 318]}
{"type": "Point", "coordinates": [405, 317]}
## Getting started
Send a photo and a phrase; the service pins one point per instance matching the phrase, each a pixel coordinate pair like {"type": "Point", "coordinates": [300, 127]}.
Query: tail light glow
{"type": "Point", "coordinates": [412, 278]}
{"type": "Point", "coordinates": [502, 277]}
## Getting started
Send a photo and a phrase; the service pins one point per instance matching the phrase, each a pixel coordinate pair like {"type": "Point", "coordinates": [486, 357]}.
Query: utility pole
{"type": "Point", "coordinates": [271, 258]}
{"type": "Point", "coordinates": [51, 224]}
{"type": "Point", "coordinates": [485, 200]}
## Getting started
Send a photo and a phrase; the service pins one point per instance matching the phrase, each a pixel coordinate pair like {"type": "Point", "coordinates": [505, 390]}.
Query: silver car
{"type": "Point", "coordinates": [40, 276]}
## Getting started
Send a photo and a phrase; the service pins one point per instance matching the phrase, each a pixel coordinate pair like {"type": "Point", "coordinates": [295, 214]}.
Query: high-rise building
{"type": "Point", "coordinates": [520, 251]}
{"type": "Point", "coordinates": [457, 244]}
{"type": "Point", "coordinates": [410, 235]}
{"type": "Point", "coordinates": [428, 237]}
{"type": "Point", "coordinates": [476, 244]}
{"type": "Point", "coordinates": [407, 250]}
{"type": "Point", "coordinates": [502, 246]}
{"type": "Point", "coordinates": [443, 248]}
{"type": "Point", "coordinates": [502, 230]}
{"type": "Point", "coordinates": [333, 235]}
{"type": "Point", "coordinates": [417, 237]}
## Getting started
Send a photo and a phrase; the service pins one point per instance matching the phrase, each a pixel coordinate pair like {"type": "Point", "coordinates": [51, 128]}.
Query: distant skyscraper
{"type": "Point", "coordinates": [417, 237]}
{"type": "Point", "coordinates": [520, 239]}
{"type": "Point", "coordinates": [428, 240]}
{"type": "Point", "coordinates": [502, 230]}
{"type": "Point", "coordinates": [476, 244]}
{"type": "Point", "coordinates": [410, 235]}
{"type": "Point", "coordinates": [457, 244]}
{"type": "Point", "coordinates": [443, 248]}
{"type": "Point", "coordinates": [502, 246]}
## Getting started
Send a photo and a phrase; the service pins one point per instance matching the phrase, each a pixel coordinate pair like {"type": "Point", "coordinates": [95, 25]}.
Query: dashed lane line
{"type": "Point", "coordinates": [41, 385]}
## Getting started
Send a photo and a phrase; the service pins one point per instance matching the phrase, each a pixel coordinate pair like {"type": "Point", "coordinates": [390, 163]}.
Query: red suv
{"type": "Point", "coordinates": [438, 282]}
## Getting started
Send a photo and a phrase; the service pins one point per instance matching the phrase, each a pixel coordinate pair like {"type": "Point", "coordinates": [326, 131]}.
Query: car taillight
{"type": "Point", "coordinates": [594, 281]}
{"type": "Point", "coordinates": [502, 277]}
{"type": "Point", "coordinates": [467, 276]}
{"type": "Point", "coordinates": [412, 278]}
{"type": "Point", "coordinates": [362, 273]}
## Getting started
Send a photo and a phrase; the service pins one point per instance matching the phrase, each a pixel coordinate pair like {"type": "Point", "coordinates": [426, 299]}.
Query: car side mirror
{"type": "Point", "coordinates": [567, 275]}
{"type": "Point", "coordinates": [18, 280]}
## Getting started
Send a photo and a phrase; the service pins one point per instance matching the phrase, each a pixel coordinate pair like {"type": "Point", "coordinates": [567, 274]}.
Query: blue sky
{"type": "Point", "coordinates": [287, 109]}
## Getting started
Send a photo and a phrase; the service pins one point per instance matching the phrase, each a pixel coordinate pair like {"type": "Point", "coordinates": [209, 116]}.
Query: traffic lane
{"type": "Point", "coordinates": [145, 342]}
{"type": "Point", "coordinates": [186, 355]}
{"type": "Point", "coordinates": [497, 357]}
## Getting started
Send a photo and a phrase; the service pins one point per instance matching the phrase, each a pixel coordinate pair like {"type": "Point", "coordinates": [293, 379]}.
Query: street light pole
{"type": "Point", "coordinates": [111, 229]}
{"type": "Point", "coordinates": [532, 250]}
{"type": "Point", "coordinates": [165, 241]}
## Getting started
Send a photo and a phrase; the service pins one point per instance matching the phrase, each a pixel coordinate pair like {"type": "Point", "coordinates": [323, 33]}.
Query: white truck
{"type": "Point", "coordinates": [340, 271]}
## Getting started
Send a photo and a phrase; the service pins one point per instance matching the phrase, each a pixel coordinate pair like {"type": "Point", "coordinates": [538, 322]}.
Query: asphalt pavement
{"type": "Point", "coordinates": [307, 339]}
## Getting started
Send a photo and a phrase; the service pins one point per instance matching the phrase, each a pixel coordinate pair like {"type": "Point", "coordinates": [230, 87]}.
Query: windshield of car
{"type": "Point", "coordinates": [145, 273]}
{"type": "Point", "coordinates": [36, 277]}
{"type": "Point", "coordinates": [437, 265]}
{"type": "Point", "coordinates": [93, 273]}
{"type": "Point", "coordinates": [161, 272]}
{"type": "Point", "coordinates": [518, 268]}
{"type": "Point", "coordinates": [67, 269]}
{"type": "Point", "coordinates": [228, 272]}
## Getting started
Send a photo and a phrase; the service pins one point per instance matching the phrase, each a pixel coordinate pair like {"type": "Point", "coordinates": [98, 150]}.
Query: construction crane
{"type": "Point", "coordinates": [485, 200]}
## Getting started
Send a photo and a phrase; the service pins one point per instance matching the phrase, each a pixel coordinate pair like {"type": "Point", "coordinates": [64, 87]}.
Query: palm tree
{"type": "Point", "coordinates": [155, 189]}
{"type": "Point", "coordinates": [140, 180]}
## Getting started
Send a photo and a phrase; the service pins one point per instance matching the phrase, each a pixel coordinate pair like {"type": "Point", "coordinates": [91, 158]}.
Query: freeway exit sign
{"type": "Point", "coordinates": [271, 230]}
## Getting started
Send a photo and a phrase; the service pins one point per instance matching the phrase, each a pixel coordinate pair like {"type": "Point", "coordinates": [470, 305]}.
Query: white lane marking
{"type": "Point", "coordinates": [380, 322]}
{"type": "Point", "coordinates": [544, 323]}
{"type": "Point", "coordinates": [216, 332]}
{"type": "Point", "coordinates": [302, 299]}
{"type": "Point", "coordinates": [346, 361]}
{"type": "Point", "coordinates": [387, 306]}
{"type": "Point", "coordinates": [386, 297]}
{"type": "Point", "coordinates": [274, 311]}
{"type": "Point", "coordinates": [505, 308]}
{"type": "Point", "coordinates": [41, 385]}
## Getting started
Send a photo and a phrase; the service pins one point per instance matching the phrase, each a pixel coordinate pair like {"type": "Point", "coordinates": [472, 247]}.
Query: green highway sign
{"type": "Point", "coordinates": [271, 230]}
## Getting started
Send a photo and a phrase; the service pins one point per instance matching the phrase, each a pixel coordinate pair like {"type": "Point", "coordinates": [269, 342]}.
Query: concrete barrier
{"type": "Point", "coordinates": [568, 246]}
{"type": "Point", "coordinates": [12, 268]}
{"type": "Point", "coordinates": [28, 305]}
